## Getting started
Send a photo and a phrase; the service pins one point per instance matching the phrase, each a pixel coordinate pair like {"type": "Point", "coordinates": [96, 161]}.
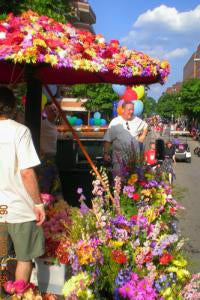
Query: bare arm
{"type": "Point", "coordinates": [143, 135]}
{"type": "Point", "coordinates": [31, 185]}
{"type": "Point", "coordinates": [106, 150]}
{"type": "Point", "coordinates": [30, 182]}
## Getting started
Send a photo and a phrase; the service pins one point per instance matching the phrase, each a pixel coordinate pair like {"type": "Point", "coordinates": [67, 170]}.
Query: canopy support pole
{"type": "Point", "coordinates": [33, 107]}
{"type": "Point", "coordinates": [91, 163]}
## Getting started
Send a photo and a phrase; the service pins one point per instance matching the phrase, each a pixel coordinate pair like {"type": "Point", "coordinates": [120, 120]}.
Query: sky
{"type": "Point", "coordinates": [168, 30]}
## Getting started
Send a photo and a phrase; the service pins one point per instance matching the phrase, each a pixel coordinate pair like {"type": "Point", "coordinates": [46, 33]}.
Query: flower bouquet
{"type": "Point", "coordinates": [128, 249]}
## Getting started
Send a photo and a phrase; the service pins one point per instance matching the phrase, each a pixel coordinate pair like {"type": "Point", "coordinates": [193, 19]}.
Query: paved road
{"type": "Point", "coordinates": [188, 178]}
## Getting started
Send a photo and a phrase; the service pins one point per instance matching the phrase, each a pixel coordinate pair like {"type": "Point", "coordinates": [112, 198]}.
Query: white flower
{"type": "Point", "coordinates": [2, 35]}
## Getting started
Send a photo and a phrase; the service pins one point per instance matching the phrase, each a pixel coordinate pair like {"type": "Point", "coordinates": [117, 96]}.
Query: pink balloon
{"type": "Point", "coordinates": [120, 103]}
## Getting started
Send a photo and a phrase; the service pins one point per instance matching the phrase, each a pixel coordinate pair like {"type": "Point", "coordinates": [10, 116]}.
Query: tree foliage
{"type": "Point", "coordinates": [149, 106]}
{"type": "Point", "coordinates": [190, 97]}
{"type": "Point", "coordinates": [100, 96]}
{"type": "Point", "coordinates": [169, 104]}
{"type": "Point", "coordinates": [59, 10]}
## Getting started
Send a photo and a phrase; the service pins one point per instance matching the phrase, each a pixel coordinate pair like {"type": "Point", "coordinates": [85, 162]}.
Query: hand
{"type": "Point", "coordinates": [141, 139]}
{"type": "Point", "coordinates": [40, 215]}
{"type": "Point", "coordinates": [106, 157]}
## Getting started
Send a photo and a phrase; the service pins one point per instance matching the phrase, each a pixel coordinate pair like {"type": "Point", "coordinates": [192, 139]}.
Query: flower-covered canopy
{"type": "Point", "coordinates": [65, 55]}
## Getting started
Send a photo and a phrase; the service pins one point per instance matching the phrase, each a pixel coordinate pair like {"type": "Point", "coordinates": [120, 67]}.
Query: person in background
{"type": "Point", "coordinates": [169, 160]}
{"type": "Point", "coordinates": [125, 133]}
{"type": "Point", "coordinates": [19, 192]}
{"type": "Point", "coordinates": [49, 180]}
{"type": "Point", "coordinates": [150, 154]}
{"type": "Point", "coordinates": [176, 140]}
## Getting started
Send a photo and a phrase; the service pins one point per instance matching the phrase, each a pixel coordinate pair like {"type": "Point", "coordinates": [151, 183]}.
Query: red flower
{"type": "Point", "coordinates": [118, 256]}
{"type": "Point", "coordinates": [165, 259]}
{"type": "Point", "coordinates": [148, 257]}
{"type": "Point", "coordinates": [136, 196]}
{"type": "Point", "coordinates": [142, 182]}
{"type": "Point", "coordinates": [134, 218]}
{"type": "Point", "coordinates": [172, 210]}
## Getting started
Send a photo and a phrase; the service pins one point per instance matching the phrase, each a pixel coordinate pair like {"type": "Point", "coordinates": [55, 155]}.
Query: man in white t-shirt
{"type": "Point", "coordinates": [22, 212]}
{"type": "Point", "coordinates": [125, 132]}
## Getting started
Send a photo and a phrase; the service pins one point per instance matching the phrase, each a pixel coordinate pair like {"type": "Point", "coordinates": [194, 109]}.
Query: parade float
{"type": "Point", "coordinates": [125, 246]}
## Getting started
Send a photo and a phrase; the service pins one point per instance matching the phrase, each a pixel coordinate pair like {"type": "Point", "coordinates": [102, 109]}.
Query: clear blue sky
{"type": "Point", "coordinates": [163, 29]}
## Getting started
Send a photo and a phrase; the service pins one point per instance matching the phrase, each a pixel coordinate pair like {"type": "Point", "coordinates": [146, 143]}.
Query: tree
{"type": "Point", "coordinates": [169, 104]}
{"type": "Point", "coordinates": [58, 10]}
{"type": "Point", "coordinates": [100, 96]}
{"type": "Point", "coordinates": [149, 106]}
{"type": "Point", "coordinates": [190, 98]}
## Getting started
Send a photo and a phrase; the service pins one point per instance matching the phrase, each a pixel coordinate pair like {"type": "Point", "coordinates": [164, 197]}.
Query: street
{"type": "Point", "coordinates": [187, 181]}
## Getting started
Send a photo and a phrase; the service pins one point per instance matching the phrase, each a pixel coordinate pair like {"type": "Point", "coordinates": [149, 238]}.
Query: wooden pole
{"type": "Point", "coordinates": [80, 144]}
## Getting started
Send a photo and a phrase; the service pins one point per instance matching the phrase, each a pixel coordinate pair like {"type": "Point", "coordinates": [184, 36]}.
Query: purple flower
{"type": "Point", "coordinates": [79, 191]}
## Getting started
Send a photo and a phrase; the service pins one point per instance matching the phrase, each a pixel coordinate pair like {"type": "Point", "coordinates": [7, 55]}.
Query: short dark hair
{"type": "Point", "coordinates": [7, 101]}
{"type": "Point", "coordinates": [126, 103]}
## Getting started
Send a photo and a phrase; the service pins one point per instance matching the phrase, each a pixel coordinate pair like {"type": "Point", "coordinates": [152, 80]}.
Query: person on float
{"type": "Point", "coordinates": [124, 133]}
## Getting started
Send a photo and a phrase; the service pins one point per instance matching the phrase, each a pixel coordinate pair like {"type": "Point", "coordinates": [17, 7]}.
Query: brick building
{"type": "Point", "coordinates": [192, 67]}
{"type": "Point", "coordinates": [174, 88]}
{"type": "Point", "coordinates": [83, 16]}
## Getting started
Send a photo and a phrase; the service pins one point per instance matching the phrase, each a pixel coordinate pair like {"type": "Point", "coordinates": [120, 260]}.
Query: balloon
{"type": "Point", "coordinates": [120, 103]}
{"type": "Point", "coordinates": [119, 110]}
{"type": "Point", "coordinates": [97, 115]}
{"type": "Point", "coordinates": [53, 89]}
{"type": "Point", "coordinates": [139, 89]}
{"type": "Point", "coordinates": [91, 121]}
{"type": "Point", "coordinates": [97, 122]}
{"type": "Point", "coordinates": [114, 110]}
{"type": "Point", "coordinates": [73, 120]}
{"type": "Point", "coordinates": [119, 89]}
{"type": "Point", "coordinates": [103, 122]}
{"type": "Point", "coordinates": [138, 107]}
{"type": "Point", "coordinates": [79, 122]}
{"type": "Point", "coordinates": [43, 102]}
{"type": "Point", "coordinates": [129, 95]}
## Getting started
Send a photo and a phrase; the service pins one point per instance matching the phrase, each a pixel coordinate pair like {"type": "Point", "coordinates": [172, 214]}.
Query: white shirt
{"type": "Point", "coordinates": [123, 136]}
{"type": "Point", "coordinates": [49, 135]}
{"type": "Point", "coordinates": [17, 152]}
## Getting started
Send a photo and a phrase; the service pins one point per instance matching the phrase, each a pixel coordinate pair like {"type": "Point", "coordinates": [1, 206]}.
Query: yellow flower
{"type": "Point", "coordinates": [133, 179]}
{"type": "Point", "coordinates": [116, 244]}
{"type": "Point", "coordinates": [146, 193]}
{"type": "Point", "coordinates": [150, 214]}
{"type": "Point", "coordinates": [39, 42]}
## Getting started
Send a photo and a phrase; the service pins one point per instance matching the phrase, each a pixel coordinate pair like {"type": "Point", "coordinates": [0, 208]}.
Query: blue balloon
{"type": "Point", "coordinates": [138, 107]}
{"type": "Point", "coordinates": [103, 122]}
{"type": "Point", "coordinates": [79, 122]}
{"type": "Point", "coordinates": [91, 121]}
{"type": "Point", "coordinates": [97, 115]}
{"type": "Point", "coordinates": [114, 109]}
{"type": "Point", "coordinates": [119, 89]}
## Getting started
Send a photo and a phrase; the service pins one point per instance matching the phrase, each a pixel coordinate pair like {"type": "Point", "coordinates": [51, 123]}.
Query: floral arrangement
{"type": "Point", "coordinates": [19, 289]}
{"type": "Point", "coordinates": [38, 39]}
{"type": "Point", "coordinates": [128, 249]}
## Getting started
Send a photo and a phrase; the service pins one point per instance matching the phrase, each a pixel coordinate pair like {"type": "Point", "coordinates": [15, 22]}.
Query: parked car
{"type": "Point", "coordinates": [182, 152]}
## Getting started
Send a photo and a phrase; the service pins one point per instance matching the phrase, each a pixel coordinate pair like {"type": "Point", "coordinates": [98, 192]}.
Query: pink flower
{"type": "Point", "coordinates": [9, 287]}
{"type": "Point", "coordinates": [47, 198]}
{"type": "Point", "coordinates": [20, 286]}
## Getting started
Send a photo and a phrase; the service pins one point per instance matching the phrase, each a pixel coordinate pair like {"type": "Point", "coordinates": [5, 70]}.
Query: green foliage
{"type": "Point", "coordinates": [58, 10]}
{"type": "Point", "coordinates": [169, 104]}
{"type": "Point", "coordinates": [127, 206]}
{"type": "Point", "coordinates": [100, 96]}
{"type": "Point", "coordinates": [149, 106]}
{"type": "Point", "coordinates": [190, 97]}
{"type": "Point", "coordinates": [82, 225]}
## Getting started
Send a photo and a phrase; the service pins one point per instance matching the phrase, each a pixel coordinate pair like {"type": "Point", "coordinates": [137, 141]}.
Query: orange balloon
{"type": "Point", "coordinates": [119, 110]}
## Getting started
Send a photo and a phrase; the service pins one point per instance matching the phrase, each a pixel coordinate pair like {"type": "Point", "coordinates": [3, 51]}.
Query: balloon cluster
{"type": "Point", "coordinates": [132, 94]}
{"type": "Point", "coordinates": [74, 121]}
{"type": "Point", "coordinates": [96, 120]}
